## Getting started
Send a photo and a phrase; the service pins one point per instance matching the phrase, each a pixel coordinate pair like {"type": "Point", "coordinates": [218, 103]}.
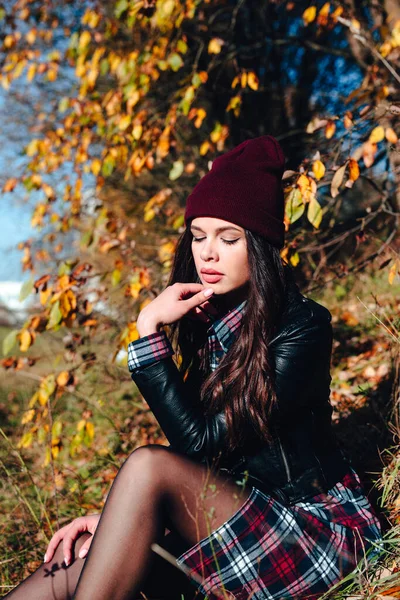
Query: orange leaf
{"type": "Point", "coordinates": [391, 135]}
{"type": "Point", "coordinates": [10, 184]}
{"type": "Point", "coordinates": [330, 129]}
{"type": "Point", "coordinates": [62, 378]}
{"type": "Point", "coordinates": [354, 169]}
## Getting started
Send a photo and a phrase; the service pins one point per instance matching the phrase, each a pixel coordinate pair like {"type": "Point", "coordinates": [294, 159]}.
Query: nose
{"type": "Point", "coordinates": [208, 251]}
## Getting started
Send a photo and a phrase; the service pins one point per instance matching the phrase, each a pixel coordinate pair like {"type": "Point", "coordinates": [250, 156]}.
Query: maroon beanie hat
{"type": "Point", "coordinates": [244, 187]}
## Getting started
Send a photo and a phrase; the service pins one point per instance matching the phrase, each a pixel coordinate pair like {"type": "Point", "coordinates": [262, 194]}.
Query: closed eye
{"type": "Point", "coordinates": [225, 241]}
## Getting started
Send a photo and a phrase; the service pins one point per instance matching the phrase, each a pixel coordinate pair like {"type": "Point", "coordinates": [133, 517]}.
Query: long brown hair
{"type": "Point", "coordinates": [243, 383]}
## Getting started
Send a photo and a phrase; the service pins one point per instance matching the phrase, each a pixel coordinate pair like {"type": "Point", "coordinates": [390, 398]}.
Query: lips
{"type": "Point", "coordinates": [210, 272]}
{"type": "Point", "coordinates": [211, 277]}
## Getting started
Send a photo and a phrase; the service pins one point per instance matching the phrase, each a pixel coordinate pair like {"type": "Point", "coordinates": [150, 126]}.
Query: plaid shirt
{"type": "Point", "coordinates": [220, 335]}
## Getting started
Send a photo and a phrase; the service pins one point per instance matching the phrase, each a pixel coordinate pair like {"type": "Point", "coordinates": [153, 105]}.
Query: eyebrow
{"type": "Point", "coordinates": [217, 230]}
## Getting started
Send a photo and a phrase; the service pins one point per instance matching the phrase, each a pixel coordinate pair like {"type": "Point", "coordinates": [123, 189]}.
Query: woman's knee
{"type": "Point", "coordinates": [147, 462]}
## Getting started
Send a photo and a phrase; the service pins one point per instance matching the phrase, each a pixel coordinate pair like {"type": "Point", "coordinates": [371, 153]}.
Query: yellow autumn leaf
{"type": "Point", "coordinates": [124, 122]}
{"type": "Point", "coordinates": [33, 400]}
{"type": "Point", "coordinates": [31, 72]}
{"type": "Point", "coordinates": [252, 80]}
{"type": "Point", "coordinates": [62, 378]}
{"type": "Point", "coordinates": [243, 79]}
{"type": "Point", "coordinates": [43, 396]}
{"type": "Point", "coordinates": [295, 259]}
{"type": "Point", "coordinates": [377, 134]}
{"type": "Point", "coordinates": [67, 303]}
{"type": "Point", "coordinates": [25, 340]}
{"type": "Point", "coordinates": [149, 215]}
{"type": "Point", "coordinates": [84, 40]}
{"type": "Point", "coordinates": [96, 166]}
{"type": "Point", "coordinates": [81, 425]}
{"type": "Point", "coordinates": [324, 12]}
{"type": "Point", "coordinates": [391, 135]}
{"type": "Point", "coordinates": [318, 169]}
{"type": "Point", "coordinates": [309, 14]}
{"type": "Point", "coordinates": [166, 251]}
{"type": "Point", "coordinates": [28, 416]}
{"type": "Point", "coordinates": [137, 132]}
{"type": "Point", "coordinates": [215, 45]}
{"type": "Point", "coordinates": [26, 440]}
{"type": "Point", "coordinates": [90, 429]}
{"type": "Point", "coordinates": [235, 81]}
{"type": "Point", "coordinates": [392, 272]}
{"type": "Point", "coordinates": [303, 183]}
{"type": "Point", "coordinates": [45, 294]}
{"type": "Point", "coordinates": [204, 148]}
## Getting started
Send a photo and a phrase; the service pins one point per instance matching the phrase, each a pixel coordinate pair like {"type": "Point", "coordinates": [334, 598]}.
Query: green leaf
{"type": "Point", "coordinates": [178, 222]}
{"type": "Point", "coordinates": [175, 61]}
{"type": "Point", "coordinates": [55, 315]}
{"type": "Point", "coordinates": [64, 269]}
{"type": "Point", "coordinates": [196, 80]}
{"type": "Point", "coordinates": [26, 289]}
{"type": "Point", "coordinates": [63, 104]}
{"type": "Point", "coordinates": [294, 206]}
{"type": "Point", "coordinates": [9, 341]}
{"type": "Point", "coordinates": [314, 213]}
{"type": "Point", "coordinates": [177, 170]}
{"type": "Point", "coordinates": [182, 46]}
{"type": "Point", "coordinates": [120, 7]}
{"type": "Point", "coordinates": [115, 277]}
{"type": "Point", "coordinates": [56, 429]}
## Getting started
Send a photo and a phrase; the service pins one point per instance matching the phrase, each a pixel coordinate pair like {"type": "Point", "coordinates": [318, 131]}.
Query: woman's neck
{"type": "Point", "coordinates": [225, 302]}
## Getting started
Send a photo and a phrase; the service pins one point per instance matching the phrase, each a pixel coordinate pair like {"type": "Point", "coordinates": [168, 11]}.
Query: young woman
{"type": "Point", "coordinates": [253, 496]}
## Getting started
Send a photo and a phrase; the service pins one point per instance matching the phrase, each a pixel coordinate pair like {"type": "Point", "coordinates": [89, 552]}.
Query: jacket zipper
{"type": "Point", "coordinates": [285, 462]}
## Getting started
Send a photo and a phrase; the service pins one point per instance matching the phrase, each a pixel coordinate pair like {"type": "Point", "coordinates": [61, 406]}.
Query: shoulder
{"type": "Point", "coordinates": [302, 316]}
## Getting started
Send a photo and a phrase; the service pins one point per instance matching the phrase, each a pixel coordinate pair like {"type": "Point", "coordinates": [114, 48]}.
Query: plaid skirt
{"type": "Point", "coordinates": [269, 550]}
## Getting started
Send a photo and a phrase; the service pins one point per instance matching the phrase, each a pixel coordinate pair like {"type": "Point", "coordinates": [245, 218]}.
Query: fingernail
{"type": "Point", "coordinates": [66, 561]}
{"type": "Point", "coordinates": [45, 558]}
{"type": "Point", "coordinates": [208, 292]}
{"type": "Point", "coordinates": [83, 552]}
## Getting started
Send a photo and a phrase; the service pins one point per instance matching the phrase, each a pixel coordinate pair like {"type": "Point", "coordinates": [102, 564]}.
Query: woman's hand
{"type": "Point", "coordinates": [68, 535]}
{"type": "Point", "coordinates": [171, 305]}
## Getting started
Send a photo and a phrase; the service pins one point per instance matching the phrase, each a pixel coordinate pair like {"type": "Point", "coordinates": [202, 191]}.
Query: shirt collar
{"type": "Point", "coordinates": [226, 328]}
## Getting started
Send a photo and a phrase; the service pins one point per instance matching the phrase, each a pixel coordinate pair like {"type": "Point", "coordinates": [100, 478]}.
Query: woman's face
{"type": "Point", "coordinates": [220, 246]}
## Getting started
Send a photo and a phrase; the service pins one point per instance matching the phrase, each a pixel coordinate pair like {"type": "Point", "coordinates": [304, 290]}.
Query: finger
{"type": "Point", "coordinates": [85, 548]}
{"type": "Point", "coordinates": [187, 290]}
{"type": "Point", "coordinates": [70, 538]}
{"type": "Point", "coordinates": [55, 540]}
{"type": "Point", "coordinates": [209, 307]}
{"type": "Point", "coordinates": [203, 315]}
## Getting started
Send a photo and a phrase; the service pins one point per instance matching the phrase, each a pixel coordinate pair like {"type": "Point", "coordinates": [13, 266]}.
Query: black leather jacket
{"type": "Point", "coordinates": [303, 458]}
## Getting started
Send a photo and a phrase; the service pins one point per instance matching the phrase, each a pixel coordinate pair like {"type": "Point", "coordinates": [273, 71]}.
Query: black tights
{"type": "Point", "coordinates": [156, 488]}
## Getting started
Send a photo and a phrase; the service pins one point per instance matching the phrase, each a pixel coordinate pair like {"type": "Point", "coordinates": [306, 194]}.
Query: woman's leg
{"type": "Point", "coordinates": [155, 488]}
{"type": "Point", "coordinates": [54, 581]}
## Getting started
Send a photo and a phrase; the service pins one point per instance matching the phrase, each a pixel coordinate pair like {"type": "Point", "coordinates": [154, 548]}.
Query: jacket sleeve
{"type": "Point", "coordinates": [177, 407]}
{"type": "Point", "coordinates": [301, 354]}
